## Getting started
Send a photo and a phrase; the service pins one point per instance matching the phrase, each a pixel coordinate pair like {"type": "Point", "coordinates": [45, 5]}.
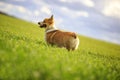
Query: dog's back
{"type": "Point", "coordinates": [69, 40]}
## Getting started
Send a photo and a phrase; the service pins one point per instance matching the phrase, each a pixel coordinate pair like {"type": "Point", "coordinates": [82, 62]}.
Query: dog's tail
{"type": "Point", "coordinates": [74, 35]}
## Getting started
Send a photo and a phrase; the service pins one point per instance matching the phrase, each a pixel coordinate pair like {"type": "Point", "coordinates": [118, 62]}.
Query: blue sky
{"type": "Point", "coordinates": [94, 18]}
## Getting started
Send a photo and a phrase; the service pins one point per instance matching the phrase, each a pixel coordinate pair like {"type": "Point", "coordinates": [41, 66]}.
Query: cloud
{"type": "Point", "coordinates": [111, 37]}
{"type": "Point", "coordinates": [64, 0]}
{"type": "Point", "coordinates": [74, 14]}
{"type": "Point", "coordinates": [42, 7]}
{"type": "Point", "coordinates": [40, 3]}
{"type": "Point", "coordinates": [8, 8]}
{"type": "Point", "coordinates": [112, 8]}
{"type": "Point", "coordinates": [19, 0]}
{"type": "Point", "coordinates": [16, 10]}
{"type": "Point", "coordinates": [46, 10]}
{"type": "Point", "coordinates": [59, 22]}
{"type": "Point", "coordinates": [37, 13]}
{"type": "Point", "coordinates": [21, 9]}
{"type": "Point", "coordinates": [88, 3]}
{"type": "Point", "coordinates": [81, 13]}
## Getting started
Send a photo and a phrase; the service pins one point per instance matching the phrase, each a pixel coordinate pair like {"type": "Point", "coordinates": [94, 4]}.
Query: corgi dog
{"type": "Point", "coordinates": [53, 36]}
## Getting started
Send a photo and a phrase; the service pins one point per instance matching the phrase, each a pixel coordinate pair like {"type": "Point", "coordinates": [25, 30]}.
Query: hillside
{"type": "Point", "coordinates": [25, 55]}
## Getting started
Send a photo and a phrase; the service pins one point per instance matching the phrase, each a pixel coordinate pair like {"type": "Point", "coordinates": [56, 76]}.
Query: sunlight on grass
{"type": "Point", "coordinates": [25, 55]}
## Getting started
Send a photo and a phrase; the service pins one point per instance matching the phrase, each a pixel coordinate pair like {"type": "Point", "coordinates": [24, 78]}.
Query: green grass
{"type": "Point", "coordinates": [24, 55]}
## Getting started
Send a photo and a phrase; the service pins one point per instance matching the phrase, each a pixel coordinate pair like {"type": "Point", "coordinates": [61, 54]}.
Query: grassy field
{"type": "Point", "coordinates": [24, 55]}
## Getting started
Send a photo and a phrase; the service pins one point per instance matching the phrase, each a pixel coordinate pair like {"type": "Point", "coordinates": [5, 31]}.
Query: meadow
{"type": "Point", "coordinates": [24, 55]}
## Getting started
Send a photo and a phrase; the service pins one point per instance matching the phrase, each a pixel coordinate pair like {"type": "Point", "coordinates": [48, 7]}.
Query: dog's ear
{"type": "Point", "coordinates": [51, 17]}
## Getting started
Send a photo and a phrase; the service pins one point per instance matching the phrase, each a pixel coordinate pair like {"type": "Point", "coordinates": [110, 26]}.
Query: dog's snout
{"type": "Point", "coordinates": [39, 23]}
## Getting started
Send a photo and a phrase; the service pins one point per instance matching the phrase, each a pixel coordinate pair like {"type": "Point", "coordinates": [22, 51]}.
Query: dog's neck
{"type": "Point", "coordinates": [50, 29]}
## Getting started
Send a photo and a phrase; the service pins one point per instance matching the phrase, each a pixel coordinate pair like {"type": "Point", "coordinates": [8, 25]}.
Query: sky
{"type": "Point", "coordinates": [98, 19]}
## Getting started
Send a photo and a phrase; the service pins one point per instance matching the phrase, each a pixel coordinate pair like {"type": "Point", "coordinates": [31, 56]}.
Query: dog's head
{"type": "Point", "coordinates": [47, 23]}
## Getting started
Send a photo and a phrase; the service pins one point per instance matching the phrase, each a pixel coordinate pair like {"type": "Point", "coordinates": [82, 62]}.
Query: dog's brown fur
{"type": "Point", "coordinates": [53, 36]}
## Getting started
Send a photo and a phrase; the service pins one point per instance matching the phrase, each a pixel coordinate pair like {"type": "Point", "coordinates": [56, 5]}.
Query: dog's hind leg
{"type": "Point", "coordinates": [68, 47]}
